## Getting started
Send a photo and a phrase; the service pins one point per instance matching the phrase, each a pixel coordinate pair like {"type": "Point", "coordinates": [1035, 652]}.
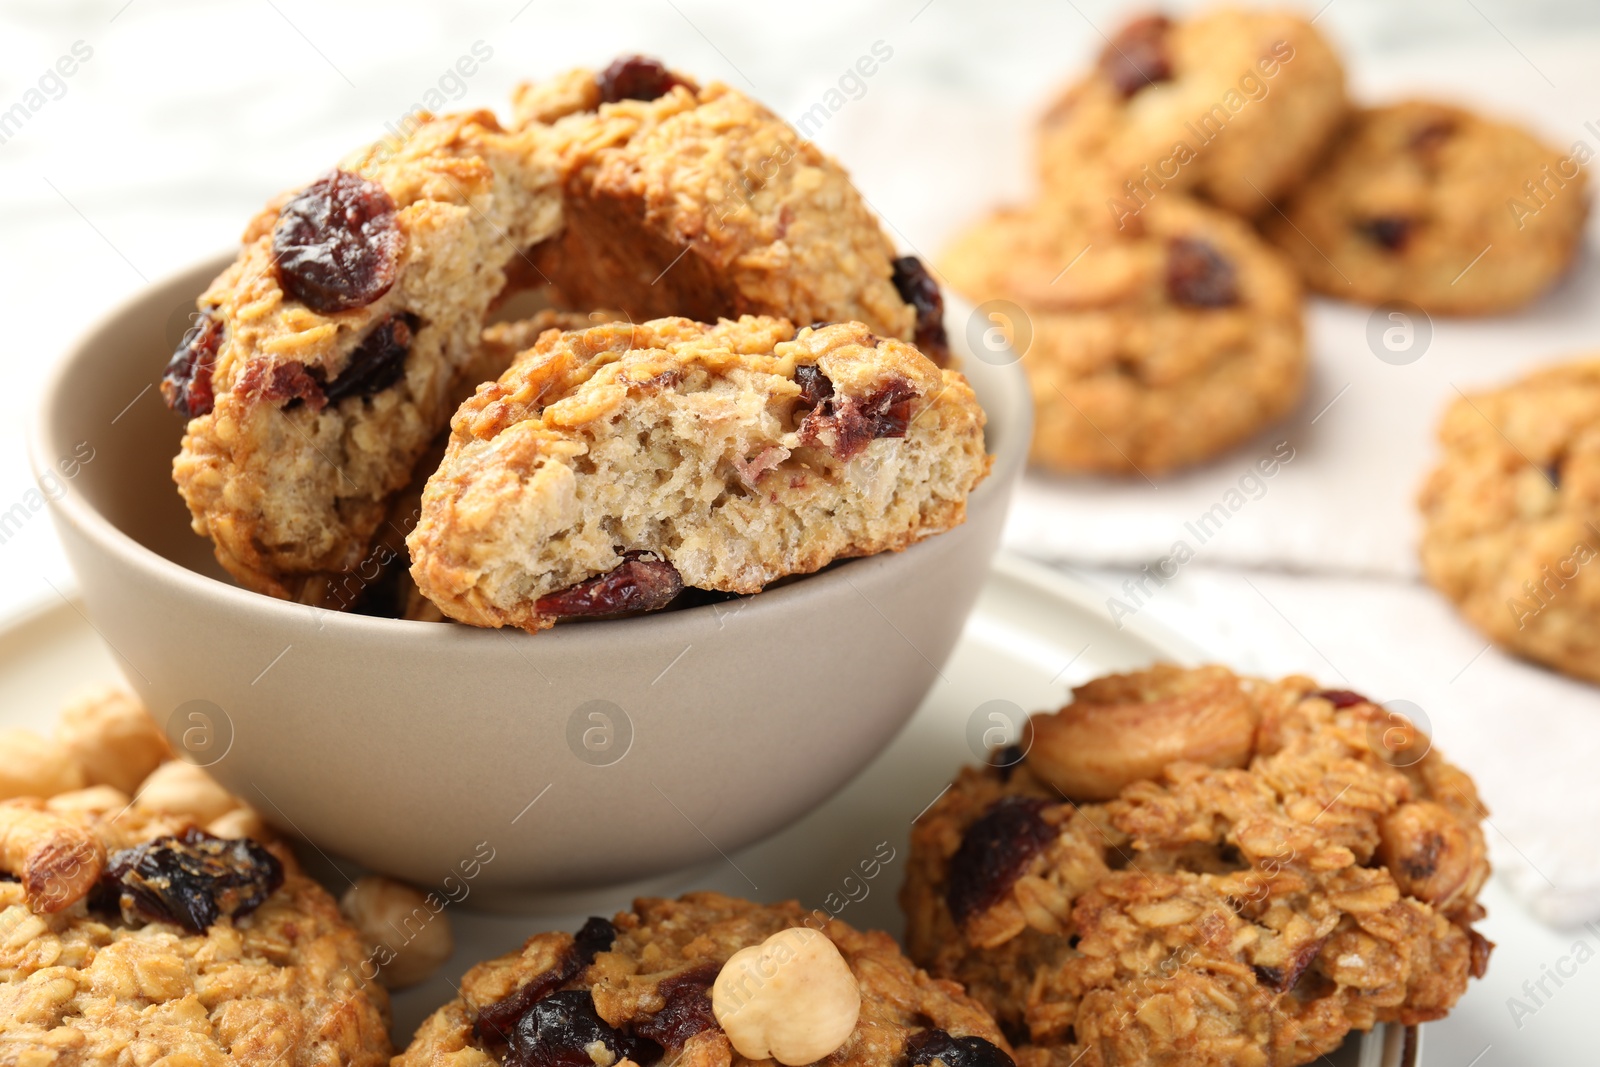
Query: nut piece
{"type": "Point", "coordinates": [1432, 854]}
{"type": "Point", "coordinates": [1124, 728]}
{"type": "Point", "coordinates": [240, 822]}
{"type": "Point", "coordinates": [791, 998]}
{"type": "Point", "coordinates": [96, 800]}
{"type": "Point", "coordinates": [179, 788]}
{"type": "Point", "coordinates": [114, 738]}
{"type": "Point", "coordinates": [408, 931]}
{"type": "Point", "coordinates": [34, 766]}
{"type": "Point", "coordinates": [55, 857]}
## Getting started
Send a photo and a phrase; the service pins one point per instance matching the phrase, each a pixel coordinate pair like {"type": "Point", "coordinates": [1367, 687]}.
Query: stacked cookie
{"type": "Point", "coordinates": [1141, 322]}
{"type": "Point", "coordinates": [786, 362]}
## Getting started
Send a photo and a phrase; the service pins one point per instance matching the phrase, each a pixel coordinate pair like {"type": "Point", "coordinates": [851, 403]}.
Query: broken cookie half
{"type": "Point", "coordinates": [612, 468]}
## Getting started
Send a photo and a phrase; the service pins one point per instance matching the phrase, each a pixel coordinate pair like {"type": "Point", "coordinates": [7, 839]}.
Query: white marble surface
{"type": "Point", "coordinates": [188, 115]}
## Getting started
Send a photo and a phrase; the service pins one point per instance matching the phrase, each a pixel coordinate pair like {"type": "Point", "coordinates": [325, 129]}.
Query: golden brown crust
{"type": "Point", "coordinates": [662, 939]}
{"type": "Point", "coordinates": [695, 444]}
{"type": "Point", "coordinates": [1215, 914]}
{"type": "Point", "coordinates": [703, 203]}
{"type": "Point", "coordinates": [1129, 371]}
{"type": "Point", "coordinates": [280, 985]}
{"type": "Point", "coordinates": [1439, 206]}
{"type": "Point", "coordinates": [1511, 515]}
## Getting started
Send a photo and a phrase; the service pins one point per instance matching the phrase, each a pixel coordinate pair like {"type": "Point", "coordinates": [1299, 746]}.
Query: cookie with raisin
{"type": "Point", "coordinates": [1511, 515]}
{"type": "Point", "coordinates": [1231, 105]}
{"type": "Point", "coordinates": [663, 983]}
{"type": "Point", "coordinates": [1432, 204]}
{"type": "Point", "coordinates": [1152, 342]}
{"type": "Point", "coordinates": [612, 468]}
{"type": "Point", "coordinates": [1194, 867]}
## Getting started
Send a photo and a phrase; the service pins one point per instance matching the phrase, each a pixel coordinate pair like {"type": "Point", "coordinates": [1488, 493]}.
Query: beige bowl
{"type": "Point", "coordinates": [593, 754]}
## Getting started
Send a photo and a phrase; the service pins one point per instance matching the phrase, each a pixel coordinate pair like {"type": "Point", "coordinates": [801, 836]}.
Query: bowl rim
{"type": "Point", "coordinates": [1009, 457]}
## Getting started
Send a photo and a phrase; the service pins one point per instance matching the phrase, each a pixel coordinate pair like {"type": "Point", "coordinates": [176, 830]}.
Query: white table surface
{"type": "Point", "coordinates": [188, 115]}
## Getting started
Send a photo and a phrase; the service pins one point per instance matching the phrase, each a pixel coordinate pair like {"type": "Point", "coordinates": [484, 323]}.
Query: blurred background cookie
{"type": "Point", "coordinates": [1509, 515]}
{"type": "Point", "coordinates": [1232, 104]}
{"type": "Point", "coordinates": [1437, 205]}
{"type": "Point", "coordinates": [1153, 343]}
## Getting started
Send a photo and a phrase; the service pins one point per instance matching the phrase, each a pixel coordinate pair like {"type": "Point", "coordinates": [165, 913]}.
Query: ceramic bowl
{"type": "Point", "coordinates": [588, 755]}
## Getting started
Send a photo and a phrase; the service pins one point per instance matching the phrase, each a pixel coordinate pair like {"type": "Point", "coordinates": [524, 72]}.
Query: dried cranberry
{"type": "Point", "coordinates": [192, 879]}
{"type": "Point", "coordinates": [337, 244]}
{"type": "Point", "coordinates": [635, 78]}
{"type": "Point", "coordinates": [917, 288]}
{"type": "Point", "coordinates": [1200, 276]}
{"type": "Point", "coordinates": [378, 362]}
{"type": "Point", "coordinates": [641, 582]}
{"type": "Point", "coordinates": [290, 382]}
{"type": "Point", "coordinates": [186, 383]}
{"type": "Point", "coordinates": [687, 1008]}
{"type": "Point", "coordinates": [564, 1030]}
{"type": "Point", "coordinates": [993, 853]}
{"type": "Point", "coordinates": [923, 1049]}
{"type": "Point", "coordinates": [814, 385]}
{"type": "Point", "coordinates": [1341, 698]}
{"type": "Point", "coordinates": [1390, 232]}
{"type": "Point", "coordinates": [846, 425]}
{"type": "Point", "coordinates": [1138, 56]}
{"type": "Point", "coordinates": [494, 1022]}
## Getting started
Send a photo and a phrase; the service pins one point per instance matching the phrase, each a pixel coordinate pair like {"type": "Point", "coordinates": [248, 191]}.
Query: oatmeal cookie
{"type": "Point", "coordinates": [127, 936]}
{"type": "Point", "coordinates": [1510, 515]}
{"type": "Point", "coordinates": [1154, 344]}
{"type": "Point", "coordinates": [683, 200]}
{"type": "Point", "coordinates": [646, 987]}
{"type": "Point", "coordinates": [1233, 105]}
{"type": "Point", "coordinates": [612, 467]}
{"type": "Point", "coordinates": [329, 355]}
{"type": "Point", "coordinates": [1435, 205]}
{"type": "Point", "coordinates": [1300, 865]}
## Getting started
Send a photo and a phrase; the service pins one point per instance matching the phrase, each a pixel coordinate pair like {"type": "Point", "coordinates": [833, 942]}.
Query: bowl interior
{"type": "Point", "coordinates": [104, 402]}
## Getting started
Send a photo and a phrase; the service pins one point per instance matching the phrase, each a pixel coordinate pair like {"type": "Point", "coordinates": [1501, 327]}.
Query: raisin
{"type": "Point", "coordinates": [1006, 760]}
{"type": "Point", "coordinates": [635, 78]}
{"type": "Point", "coordinates": [641, 582]}
{"type": "Point", "coordinates": [1282, 979]}
{"type": "Point", "coordinates": [186, 383]}
{"type": "Point", "coordinates": [936, 1046]}
{"type": "Point", "coordinates": [917, 288]}
{"type": "Point", "coordinates": [1138, 56]}
{"type": "Point", "coordinates": [336, 245]}
{"type": "Point", "coordinates": [814, 385]}
{"type": "Point", "coordinates": [1341, 698]}
{"type": "Point", "coordinates": [687, 1008]}
{"type": "Point", "coordinates": [495, 1022]}
{"type": "Point", "coordinates": [1389, 232]}
{"type": "Point", "coordinates": [1200, 276]}
{"type": "Point", "coordinates": [993, 853]}
{"type": "Point", "coordinates": [846, 425]}
{"type": "Point", "coordinates": [378, 362]}
{"type": "Point", "coordinates": [192, 879]}
{"type": "Point", "coordinates": [564, 1030]}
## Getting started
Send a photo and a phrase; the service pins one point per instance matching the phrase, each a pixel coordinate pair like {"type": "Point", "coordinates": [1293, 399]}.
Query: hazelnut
{"type": "Point", "coordinates": [179, 788]}
{"type": "Point", "coordinates": [791, 998]}
{"type": "Point", "coordinates": [408, 931]}
{"type": "Point", "coordinates": [114, 738]}
{"type": "Point", "coordinates": [34, 766]}
{"type": "Point", "coordinates": [240, 822]}
{"type": "Point", "coordinates": [95, 800]}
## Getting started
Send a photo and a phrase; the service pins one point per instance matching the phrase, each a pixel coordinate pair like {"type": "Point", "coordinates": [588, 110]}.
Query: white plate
{"type": "Point", "coordinates": [1033, 635]}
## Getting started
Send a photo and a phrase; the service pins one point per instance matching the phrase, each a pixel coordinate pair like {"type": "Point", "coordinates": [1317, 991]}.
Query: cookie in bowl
{"type": "Point", "coordinates": [1232, 105]}
{"type": "Point", "coordinates": [698, 201]}
{"type": "Point", "coordinates": [708, 979]}
{"type": "Point", "coordinates": [612, 468]}
{"type": "Point", "coordinates": [1155, 343]}
{"type": "Point", "coordinates": [1436, 205]}
{"type": "Point", "coordinates": [1509, 515]}
{"type": "Point", "coordinates": [1193, 867]}
{"type": "Point", "coordinates": [169, 926]}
